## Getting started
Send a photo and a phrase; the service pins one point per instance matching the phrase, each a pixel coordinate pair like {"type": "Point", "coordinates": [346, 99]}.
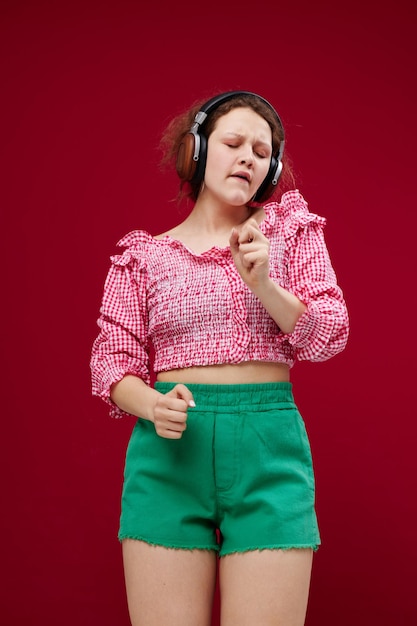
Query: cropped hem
{"type": "Point", "coordinates": [216, 548]}
{"type": "Point", "coordinates": [170, 545]}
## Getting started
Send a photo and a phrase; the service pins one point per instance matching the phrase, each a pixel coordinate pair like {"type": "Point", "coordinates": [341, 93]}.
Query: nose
{"type": "Point", "coordinates": [246, 156]}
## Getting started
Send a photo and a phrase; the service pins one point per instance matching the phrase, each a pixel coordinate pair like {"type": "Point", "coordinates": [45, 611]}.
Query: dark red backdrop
{"type": "Point", "coordinates": [86, 90]}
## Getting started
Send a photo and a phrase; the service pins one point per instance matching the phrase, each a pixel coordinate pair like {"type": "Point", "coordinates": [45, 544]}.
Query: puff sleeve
{"type": "Point", "coordinates": [322, 331]}
{"type": "Point", "coordinates": [121, 346]}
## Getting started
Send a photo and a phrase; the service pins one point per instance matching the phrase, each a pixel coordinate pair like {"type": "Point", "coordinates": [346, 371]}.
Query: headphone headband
{"type": "Point", "coordinates": [216, 101]}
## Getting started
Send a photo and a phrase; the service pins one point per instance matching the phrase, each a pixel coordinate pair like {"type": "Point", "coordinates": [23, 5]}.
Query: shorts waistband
{"type": "Point", "coordinates": [236, 397]}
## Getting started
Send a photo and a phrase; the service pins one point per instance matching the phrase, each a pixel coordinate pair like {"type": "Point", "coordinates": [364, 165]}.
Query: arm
{"type": "Point", "coordinates": [167, 411]}
{"type": "Point", "coordinates": [135, 397]}
{"type": "Point", "coordinates": [322, 331]}
{"type": "Point", "coordinates": [312, 312]}
{"type": "Point", "coordinates": [250, 251]}
{"type": "Point", "coordinates": [121, 347]}
{"type": "Point", "coordinates": [120, 354]}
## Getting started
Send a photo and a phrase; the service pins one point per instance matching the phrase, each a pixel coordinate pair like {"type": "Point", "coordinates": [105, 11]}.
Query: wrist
{"type": "Point", "coordinates": [263, 287]}
{"type": "Point", "coordinates": [150, 401]}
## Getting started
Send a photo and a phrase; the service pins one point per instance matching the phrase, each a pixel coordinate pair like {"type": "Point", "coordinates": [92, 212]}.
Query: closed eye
{"type": "Point", "coordinates": [260, 155]}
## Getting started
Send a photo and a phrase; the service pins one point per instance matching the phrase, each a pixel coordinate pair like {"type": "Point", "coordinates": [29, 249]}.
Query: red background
{"type": "Point", "coordinates": [86, 91]}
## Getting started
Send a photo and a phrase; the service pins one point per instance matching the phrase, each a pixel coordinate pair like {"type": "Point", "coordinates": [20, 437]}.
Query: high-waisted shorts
{"type": "Point", "coordinates": [240, 478]}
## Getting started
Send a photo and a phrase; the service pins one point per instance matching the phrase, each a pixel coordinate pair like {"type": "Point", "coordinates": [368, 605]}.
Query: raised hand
{"type": "Point", "coordinates": [250, 252]}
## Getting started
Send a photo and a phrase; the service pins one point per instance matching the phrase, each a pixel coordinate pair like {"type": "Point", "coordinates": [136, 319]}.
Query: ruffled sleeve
{"type": "Point", "coordinates": [122, 346]}
{"type": "Point", "coordinates": [322, 331]}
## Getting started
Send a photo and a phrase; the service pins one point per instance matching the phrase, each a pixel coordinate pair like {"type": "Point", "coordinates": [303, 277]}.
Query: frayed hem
{"type": "Point", "coordinates": [284, 547]}
{"type": "Point", "coordinates": [168, 546]}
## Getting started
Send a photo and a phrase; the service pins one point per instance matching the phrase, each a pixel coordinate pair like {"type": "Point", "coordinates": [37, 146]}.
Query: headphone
{"type": "Point", "coordinates": [192, 151]}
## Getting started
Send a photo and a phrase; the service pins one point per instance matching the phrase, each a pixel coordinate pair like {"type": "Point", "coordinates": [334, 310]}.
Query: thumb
{"type": "Point", "coordinates": [183, 393]}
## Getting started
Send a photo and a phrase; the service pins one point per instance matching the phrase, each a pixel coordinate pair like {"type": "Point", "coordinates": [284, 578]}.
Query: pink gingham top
{"type": "Point", "coordinates": [195, 310]}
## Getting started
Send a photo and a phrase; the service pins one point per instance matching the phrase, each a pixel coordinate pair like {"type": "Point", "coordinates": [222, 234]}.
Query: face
{"type": "Point", "coordinates": [238, 156]}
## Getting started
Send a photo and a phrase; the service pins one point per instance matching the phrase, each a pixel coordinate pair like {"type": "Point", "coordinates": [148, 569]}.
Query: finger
{"type": "Point", "coordinates": [250, 246]}
{"type": "Point", "coordinates": [171, 419]}
{"type": "Point", "coordinates": [174, 405]}
{"type": "Point", "coordinates": [170, 410]}
{"type": "Point", "coordinates": [234, 240]}
{"type": "Point", "coordinates": [169, 433]}
{"type": "Point", "coordinates": [175, 423]}
{"type": "Point", "coordinates": [182, 392]}
{"type": "Point", "coordinates": [249, 233]}
{"type": "Point", "coordinates": [252, 230]}
{"type": "Point", "coordinates": [176, 426]}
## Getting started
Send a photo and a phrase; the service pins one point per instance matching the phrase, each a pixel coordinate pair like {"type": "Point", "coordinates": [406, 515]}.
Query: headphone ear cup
{"type": "Point", "coordinates": [185, 163]}
{"type": "Point", "coordinates": [268, 187]}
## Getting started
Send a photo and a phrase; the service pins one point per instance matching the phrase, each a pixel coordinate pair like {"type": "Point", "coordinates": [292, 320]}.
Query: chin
{"type": "Point", "coordinates": [237, 199]}
{"type": "Point", "coordinates": [231, 197]}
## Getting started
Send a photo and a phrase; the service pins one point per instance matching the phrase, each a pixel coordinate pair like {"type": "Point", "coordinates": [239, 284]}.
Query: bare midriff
{"type": "Point", "coordinates": [229, 374]}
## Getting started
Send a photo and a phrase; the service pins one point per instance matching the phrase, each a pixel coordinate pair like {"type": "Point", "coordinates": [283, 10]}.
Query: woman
{"type": "Point", "coordinates": [219, 460]}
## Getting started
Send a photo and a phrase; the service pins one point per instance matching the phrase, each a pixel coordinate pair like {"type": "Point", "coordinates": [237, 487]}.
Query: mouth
{"type": "Point", "coordinates": [242, 176]}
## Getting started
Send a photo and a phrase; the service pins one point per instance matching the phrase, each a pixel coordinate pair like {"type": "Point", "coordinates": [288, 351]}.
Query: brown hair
{"type": "Point", "coordinates": [181, 124]}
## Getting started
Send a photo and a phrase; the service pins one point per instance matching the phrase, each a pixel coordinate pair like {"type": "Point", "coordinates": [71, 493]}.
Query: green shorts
{"type": "Point", "coordinates": [240, 478]}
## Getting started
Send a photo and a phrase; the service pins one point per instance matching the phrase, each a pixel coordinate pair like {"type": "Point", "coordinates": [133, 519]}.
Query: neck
{"type": "Point", "coordinates": [216, 217]}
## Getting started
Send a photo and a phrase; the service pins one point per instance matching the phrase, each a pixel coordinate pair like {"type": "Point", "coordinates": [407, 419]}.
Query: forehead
{"type": "Point", "coordinates": [244, 120]}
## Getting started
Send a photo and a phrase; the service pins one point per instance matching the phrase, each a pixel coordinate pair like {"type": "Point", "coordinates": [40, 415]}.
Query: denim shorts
{"type": "Point", "coordinates": [240, 478]}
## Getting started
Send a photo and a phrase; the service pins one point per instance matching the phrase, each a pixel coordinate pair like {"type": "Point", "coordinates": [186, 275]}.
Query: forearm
{"type": "Point", "coordinates": [134, 396]}
{"type": "Point", "coordinates": [284, 307]}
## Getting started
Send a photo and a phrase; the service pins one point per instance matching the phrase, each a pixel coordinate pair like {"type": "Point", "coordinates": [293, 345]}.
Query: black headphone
{"type": "Point", "coordinates": [192, 152]}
